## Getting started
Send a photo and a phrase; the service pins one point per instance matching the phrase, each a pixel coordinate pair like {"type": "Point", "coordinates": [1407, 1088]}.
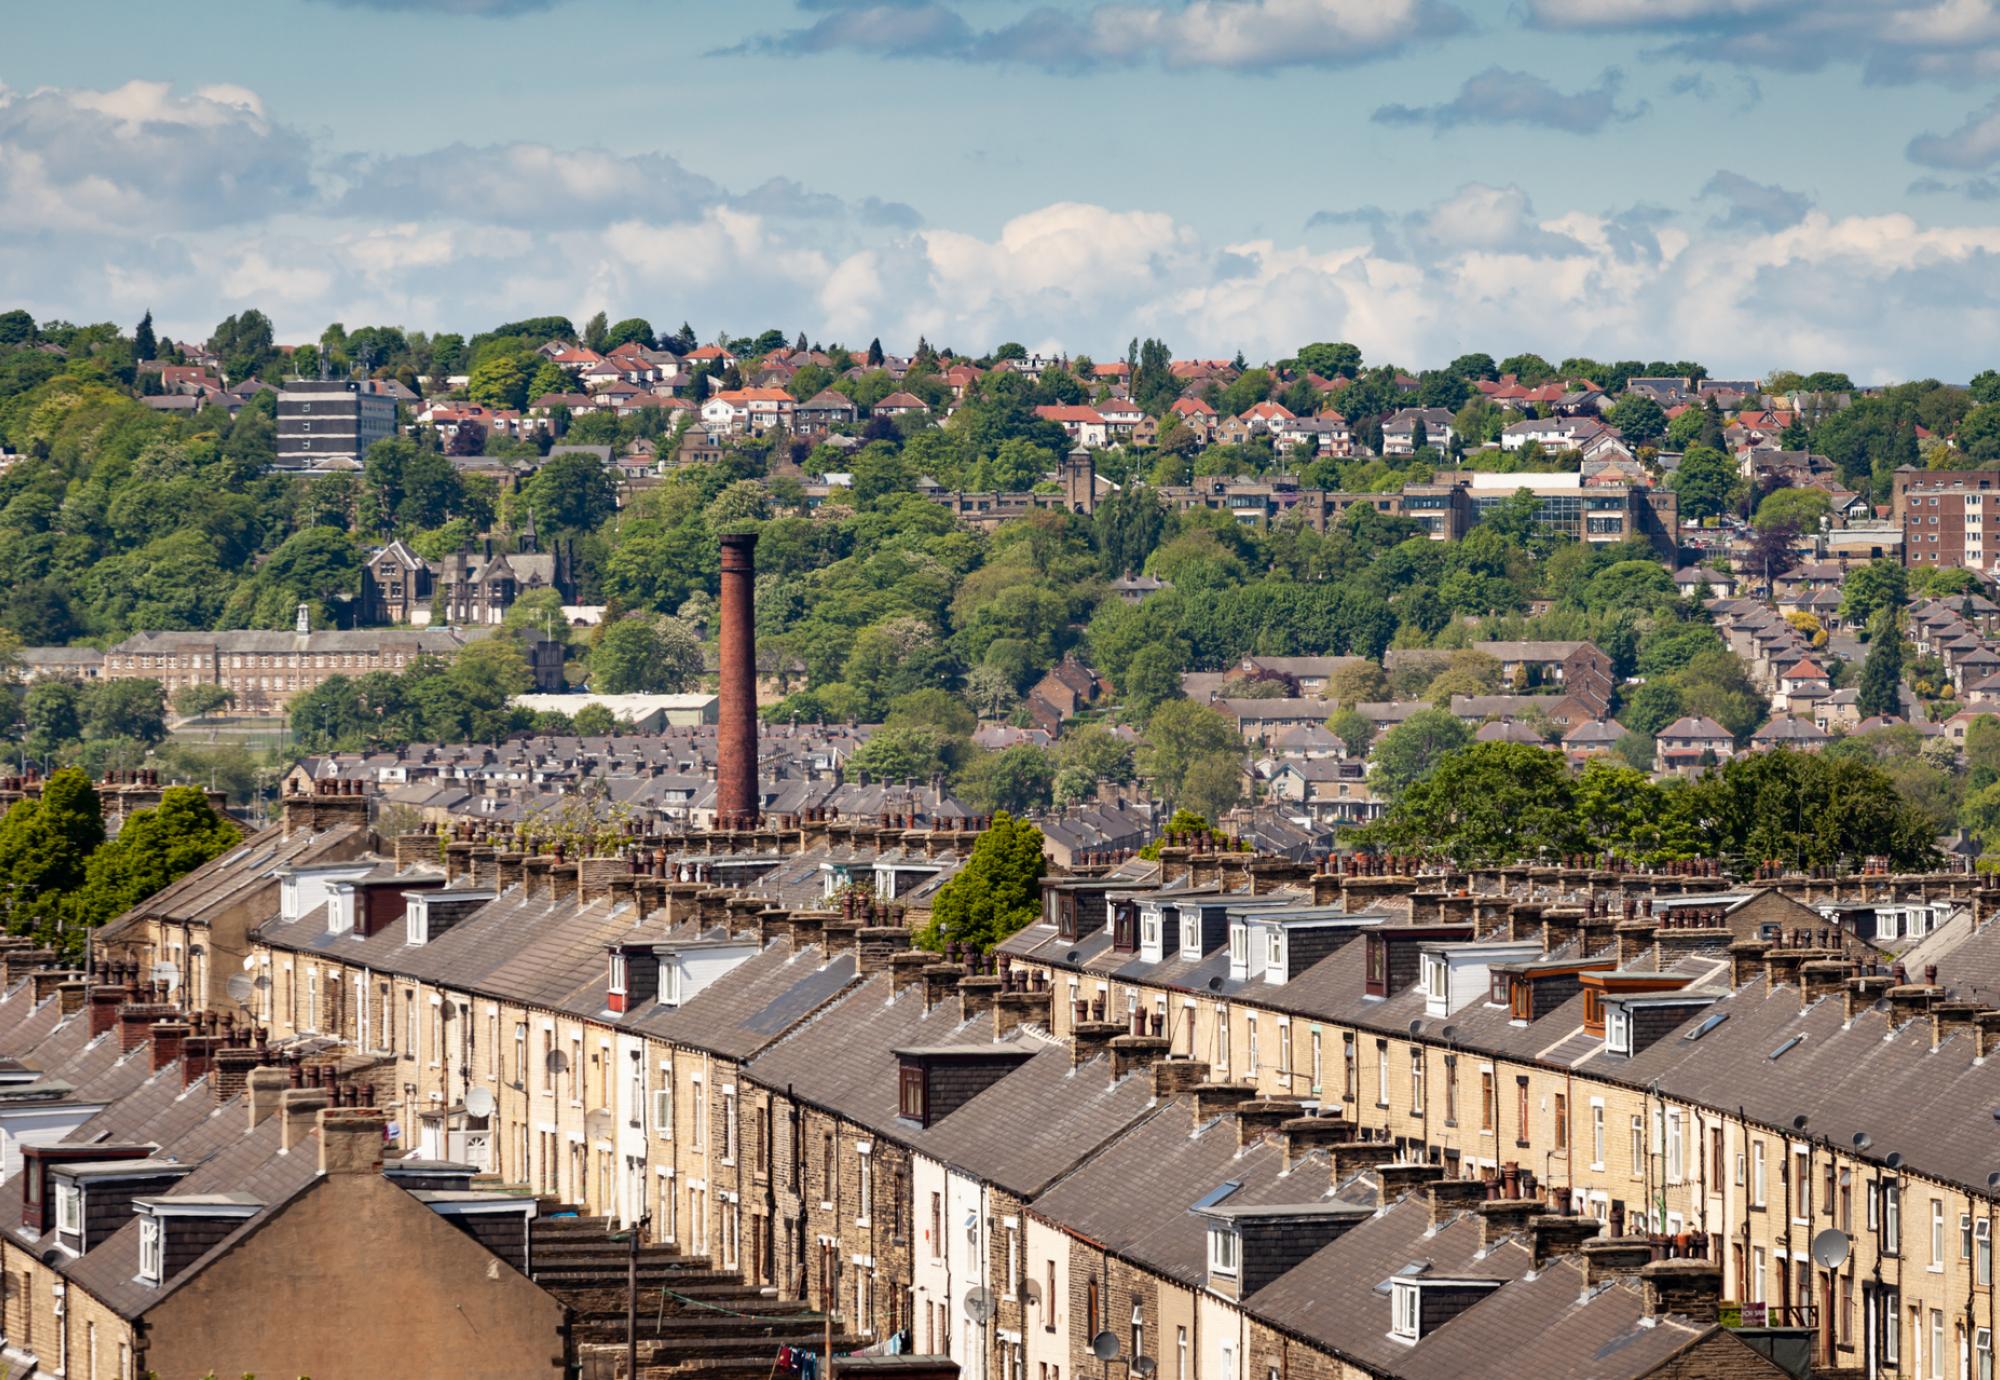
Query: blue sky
{"type": "Point", "coordinates": [1755, 183]}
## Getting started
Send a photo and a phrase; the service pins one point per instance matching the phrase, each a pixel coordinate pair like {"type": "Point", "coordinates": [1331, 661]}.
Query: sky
{"type": "Point", "coordinates": [1755, 184]}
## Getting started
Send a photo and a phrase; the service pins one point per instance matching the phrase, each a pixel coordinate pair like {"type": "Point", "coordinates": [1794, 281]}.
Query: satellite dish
{"type": "Point", "coordinates": [1993, 1179]}
{"type": "Point", "coordinates": [1894, 1159]}
{"type": "Point", "coordinates": [1416, 1027]}
{"type": "Point", "coordinates": [1215, 984]}
{"type": "Point", "coordinates": [249, 962]}
{"type": "Point", "coordinates": [1144, 1365]}
{"type": "Point", "coordinates": [479, 1102]}
{"type": "Point", "coordinates": [1450, 1034]}
{"type": "Point", "coordinates": [449, 1011]}
{"type": "Point", "coordinates": [1829, 1249]}
{"type": "Point", "coordinates": [1799, 1121]}
{"type": "Point", "coordinates": [980, 1305]}
{"type": "Point", "coordinates": [1031, 1292]}
{"type": "Point", "coordinates": [262, 984]}
{"type": "Point", "coordinates": [598, 1124]}
{"type": "Point", "coordinates": [1074, 954]}
{"type": "Point", "coordinates": [1862, 1140]}
{"type": "Point", "coordinates": [1104, 1346]}
{"type": "Point", "coordinates": [239, 988]}
{"type": "Point", "coordinates": [557, 1062]}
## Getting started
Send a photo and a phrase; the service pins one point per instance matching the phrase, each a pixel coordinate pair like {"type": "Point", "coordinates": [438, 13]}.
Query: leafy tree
{"type": "Point", "coordinates": [154, 848]}
{"type": "Point", "coordinates": [1485, 802]}
{"type": "Point", "coordinates": [1639, 417]}
{"type": "Point", "coordinates": [903, 754]}
{"type": "Point", "coordinates": [1331, 360]}
{"type": "Point", "coordinates": [198, 701]}
{"type": "Point", "coordinates": [1985, 386]}
{"type": "Point", "coordinates": [45, 845]}
{"type": "Point", "coordinates": [572, 492]}
{"type": "Point", "coordinates": [997, 892]}
{"type": "Point", "coordinates": [1407, 753]}
{"type": "Point", "coordinates": [1651, 708]}
{"type": "Point", "coordinates": [1798, 509]}
{"type": "Point", "coordinates": [1354, 731]}
{"type": "Point", "coordinates": [124, 709]}
{"type": "Point", "coordinates": [1178, 734]}
{"type": "Point", "coordinates": [1213, 783]}
{"type": "Point", "coordinates": [1016, 779]}
{"type": "Point", "coordinates": [595, 721]}
{"type": "Point", "coordinates": [501, 379]}
{"type": "Point", "coordinates": [1876, 586]}
{"type": "Point", "coordinates": [1707, 483]}
{"type": "Point", "coordinates": [16, 327]}
{"type": "Point", "coordinates": [644, 655]}
{"type": "Point", "coordinates": [1880, 691]}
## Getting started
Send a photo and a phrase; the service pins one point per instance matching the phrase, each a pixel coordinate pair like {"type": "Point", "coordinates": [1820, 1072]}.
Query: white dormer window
{"type": "Point", "coordinates": [152, 1252]}
{"type": "Point", "coordinates": [616, 980]}
{"type": "Point", "coordinates": [1224, 1251]}
{"type": "Point", "coordinates": [1617, 1030]}
{"type": "Point", "coordinates": [1406, 1318]}
{"type": "Point", "coordinates": [416, 921]}
{"type": "Point", "coordinates": [69, 1209]}
{"type": "Point", "coordinates": [1239, 946]}
{"type": "Point", "coordinates": [1274, 950]}
{"type": "Point", "coordinates": [1190, 934]}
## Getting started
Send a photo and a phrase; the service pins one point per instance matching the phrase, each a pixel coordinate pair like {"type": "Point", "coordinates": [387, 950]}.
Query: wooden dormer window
{"type": "Point", "coordinates": [1521, 1000]}
{"type": "Point", "coordinates": [913, 1095]}
{"type": "Point", "coordinates": [1593, 1011]}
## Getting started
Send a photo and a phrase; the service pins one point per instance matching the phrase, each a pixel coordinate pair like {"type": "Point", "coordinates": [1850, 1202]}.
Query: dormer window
{"type": "Point", "coordinates": [69, 1209]}
{"type": "Point", "coordinates": [152, 1250]}
{"type": "Point", "coordinates": [615, 983]}
{"type": "Point", "coordinates": [911, 1101]}
{"type": "Point", "coordinates": [1617, 1029]}
{"type": "Point", "coordinates": [1274, 950]}
{"type": "Point", "coordinates": [1239, 947]}
{"type": "Point", "coordinates": [1406, 1323]}
{"type": "Point", "coordinates": [1224, 1252]}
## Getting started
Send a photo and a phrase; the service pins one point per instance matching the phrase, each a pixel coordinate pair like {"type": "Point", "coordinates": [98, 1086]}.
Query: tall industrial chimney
{"type": "Point", "coordinates": [736, 777]}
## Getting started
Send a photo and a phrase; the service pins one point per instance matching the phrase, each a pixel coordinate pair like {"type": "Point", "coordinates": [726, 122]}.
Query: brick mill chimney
{"type": "Point", "coordinates": [736, 774]}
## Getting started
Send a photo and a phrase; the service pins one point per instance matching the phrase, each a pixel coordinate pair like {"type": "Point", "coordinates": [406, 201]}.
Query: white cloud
{"type": "Point", "coordinates": [1973, 146]}
{"type": "Point", "coordinates": [1892, 40]}
{"type": "Point", "coordinates": [142, 155]}
{"type": "Point", "coordinates": [1244, 35]}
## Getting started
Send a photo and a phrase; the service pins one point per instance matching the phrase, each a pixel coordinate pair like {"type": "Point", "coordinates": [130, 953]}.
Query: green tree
{"type": "Point", "coordinates": [1707, 483]}
{"type": "Point", "coordinates": [1486, 803]}
{"type": "Point", "coordinates": [644, 655]}
{"type": "Point", "coordinates": [1878, 585]}
{"type": "Point", "coordinates": [1213, 783]}
{"type": "Point", "coordinates": [200, 700]}
{"type": "Point", "coordinates": [996, 892]}
{"type": "Point", "coordinates": [595, 721]}
{"type": "Point", "coordinates": [145, 345]}
{"type": "Point", "coordinates": [1017, 779]}
{"type": "Point", "coordinates": [154, 848]}
{"type": "Point", "coordinates": [1407, 753]}
{"type": "Point", "coordinates": [1179, 734]}
{"type": "Point", "coordinates": [572, 493]}
{"type": "Point", "coordinates": [501, 379]}
{"type": "Point", "coordinates": [1639, 417]}
{"type": "Point", "coordinates": [45, 846]}
{"type": "Point", "coordinates": [1800, 509]}
{"type": "Point", "coordinates": [903, 754]}
{"type": "Point", "coordinates": [1354, 731]}
{"type": "Point", "coordinates": [134, 709]}
{"type": "Point", "coordinates": [1880, 690]}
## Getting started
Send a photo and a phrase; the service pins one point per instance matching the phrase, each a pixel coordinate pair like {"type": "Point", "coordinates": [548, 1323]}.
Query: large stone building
{"type": "Point", "coordinates": [265, 670]}
{"type": "Point", "coordinates": [331, 423]}
{"type": "Point", "coordinates": [471, 587]}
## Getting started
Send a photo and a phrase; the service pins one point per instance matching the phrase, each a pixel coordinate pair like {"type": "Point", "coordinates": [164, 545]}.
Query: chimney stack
{"type": "Point", "coordinates": [736, 776]}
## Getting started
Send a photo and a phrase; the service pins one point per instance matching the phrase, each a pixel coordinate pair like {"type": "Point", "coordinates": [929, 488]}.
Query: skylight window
{"type": "Point", "coordinates": [1786, 1048]}
{"type": "Point", "coordinates": [1708, 1023]}
{"type": "Point", "coordinates": [1216, 1194]}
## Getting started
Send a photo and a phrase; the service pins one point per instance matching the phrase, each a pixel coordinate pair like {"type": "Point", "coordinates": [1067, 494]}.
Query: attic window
{"type": "Point", "coordinates": [1708, 1023]}
{"type": "Point", "coordinates": [1219, 1192]}
{"type": "Point", "coordinates": [1406, 1322]}
{"type": "Point", "coordinates": [912, 1100]}
{"type": "Point", "coordinates": [1786, 1048]}
{"type": "Point", "coordinates": [151, 1253]}
{"type": "Point", "coordinates": [1617, 1030]}
{"type": "Point", "coordinates": [1224, 1251]}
